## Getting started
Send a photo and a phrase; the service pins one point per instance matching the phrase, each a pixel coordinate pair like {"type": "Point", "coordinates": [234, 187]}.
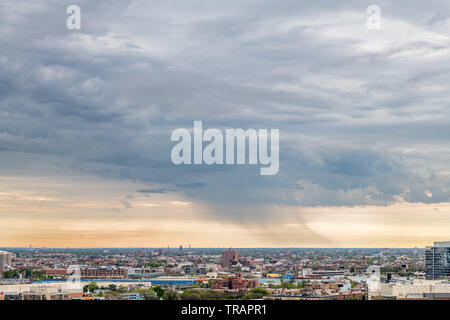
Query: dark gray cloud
{"type": "Point", "coordinates": [363, 114]}
{"type": "Point", "coordinates": [192, 185]}
{"type": "Point", "coordinates": [154, 191]}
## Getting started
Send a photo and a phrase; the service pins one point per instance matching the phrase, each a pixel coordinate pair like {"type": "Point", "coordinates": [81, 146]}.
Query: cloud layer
{"type": "Point", "coordinates": [363, 114]}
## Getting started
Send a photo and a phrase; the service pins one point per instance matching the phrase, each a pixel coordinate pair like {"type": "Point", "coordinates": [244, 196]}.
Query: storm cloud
{"type": "Point", "coordinates": [363, 114]}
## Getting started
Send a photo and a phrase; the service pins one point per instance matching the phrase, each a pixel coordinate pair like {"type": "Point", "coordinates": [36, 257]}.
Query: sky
{"type": "Point", "coordinates": [86, 118]}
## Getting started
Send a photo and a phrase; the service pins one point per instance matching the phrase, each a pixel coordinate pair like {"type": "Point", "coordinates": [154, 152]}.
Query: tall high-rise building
{"type": "Point", "coordinates": [5, 259]}
{"type": "Point", "coordinates": [229, 257]}
{"type": "Point", "coordinates": [437, 261]}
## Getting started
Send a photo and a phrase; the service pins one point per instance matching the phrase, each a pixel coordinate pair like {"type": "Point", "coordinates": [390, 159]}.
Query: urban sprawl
{"type": "Point", "coordinates": [218, 274]}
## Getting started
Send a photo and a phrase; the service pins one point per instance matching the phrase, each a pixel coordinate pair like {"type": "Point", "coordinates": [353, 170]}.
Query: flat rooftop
{"type": "Point", "coordinates": [442, 244]}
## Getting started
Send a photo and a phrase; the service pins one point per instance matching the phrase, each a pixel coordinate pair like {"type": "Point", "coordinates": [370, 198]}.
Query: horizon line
{"type": "Point", "coordinates": [177, 248]}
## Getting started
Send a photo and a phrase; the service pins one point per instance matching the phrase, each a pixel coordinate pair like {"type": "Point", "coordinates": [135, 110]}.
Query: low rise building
{"type": "Point", "coordinates": [104, 273]}
{"type": "Point", "coordinates": [422, 289]}
{"type": "Point", "coordinates": [234, 283]}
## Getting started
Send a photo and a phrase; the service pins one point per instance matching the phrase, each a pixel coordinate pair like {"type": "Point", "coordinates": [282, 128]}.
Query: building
{"type": "Point", "coordinates": [104, 273]}
{"type": "Point", "coordinates": [5, 259]}
{"type": "Point", "coordinates": [234, 283]}
{"type": "Point", "coordinates": [84, 296]}
{"type": "Point", "coordinates": [328, 273]}
{"type": "Point", "coordinates": [194, 270]}
{"type": "Point", "coordinates": [56, 273]}
{"type": "Point", "coordinates": [437, 261]}
{"type": "Point", "coordinates": [45, 296]}
{"type": "Point", "coordinates": [419, 290]}
{"type": "Point", "coordinates": [58, 290]}
{"type": "Point", "coordinates": [132, 296]}
{"type": "Point", "coordinates": [229, 257]}
{"type": "Point", "coordinates": [10, 296]}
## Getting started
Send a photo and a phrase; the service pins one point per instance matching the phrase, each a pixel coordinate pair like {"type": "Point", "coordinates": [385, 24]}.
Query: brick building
{"type": "Point", "coordinates": [234, 283]}
{"type": "Point", "coordinates": [229, 257]}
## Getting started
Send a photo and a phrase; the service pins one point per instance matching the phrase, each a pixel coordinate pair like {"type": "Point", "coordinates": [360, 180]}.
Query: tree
{"type": "Point", "coordinates": [260, 291]}
{"type": "Point", "coordinates": [91, 287]}
{"type": "Point", "coordinates": [287, 285]}
{"type": "Point", "coordinates": [10, 274]}
{"type": "Point", "coordinates": [155, 264]}
{"type": "Point", "coordinates": [147, 293]}
{"type": "Point", "coordinates": [256, 293]}
{"type": "Point", "coordinates": [212, 295]}
{"type": "Point", "coordinates": [122, 289]}
{"type": "Point", "coordinates": [159, 291]}
{"type": "Point", "coordinates": [112, 287]}
{"type": "Point", "coordinates": [170, 295]}
{"type": "Point", "coordinates": [190, 295]}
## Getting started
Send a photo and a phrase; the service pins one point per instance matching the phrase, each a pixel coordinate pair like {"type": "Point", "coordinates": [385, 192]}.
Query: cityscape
{"type": "Point", "coordinates": [226, 274]}
{"type": "Point", "coordinates": [212, 159]}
